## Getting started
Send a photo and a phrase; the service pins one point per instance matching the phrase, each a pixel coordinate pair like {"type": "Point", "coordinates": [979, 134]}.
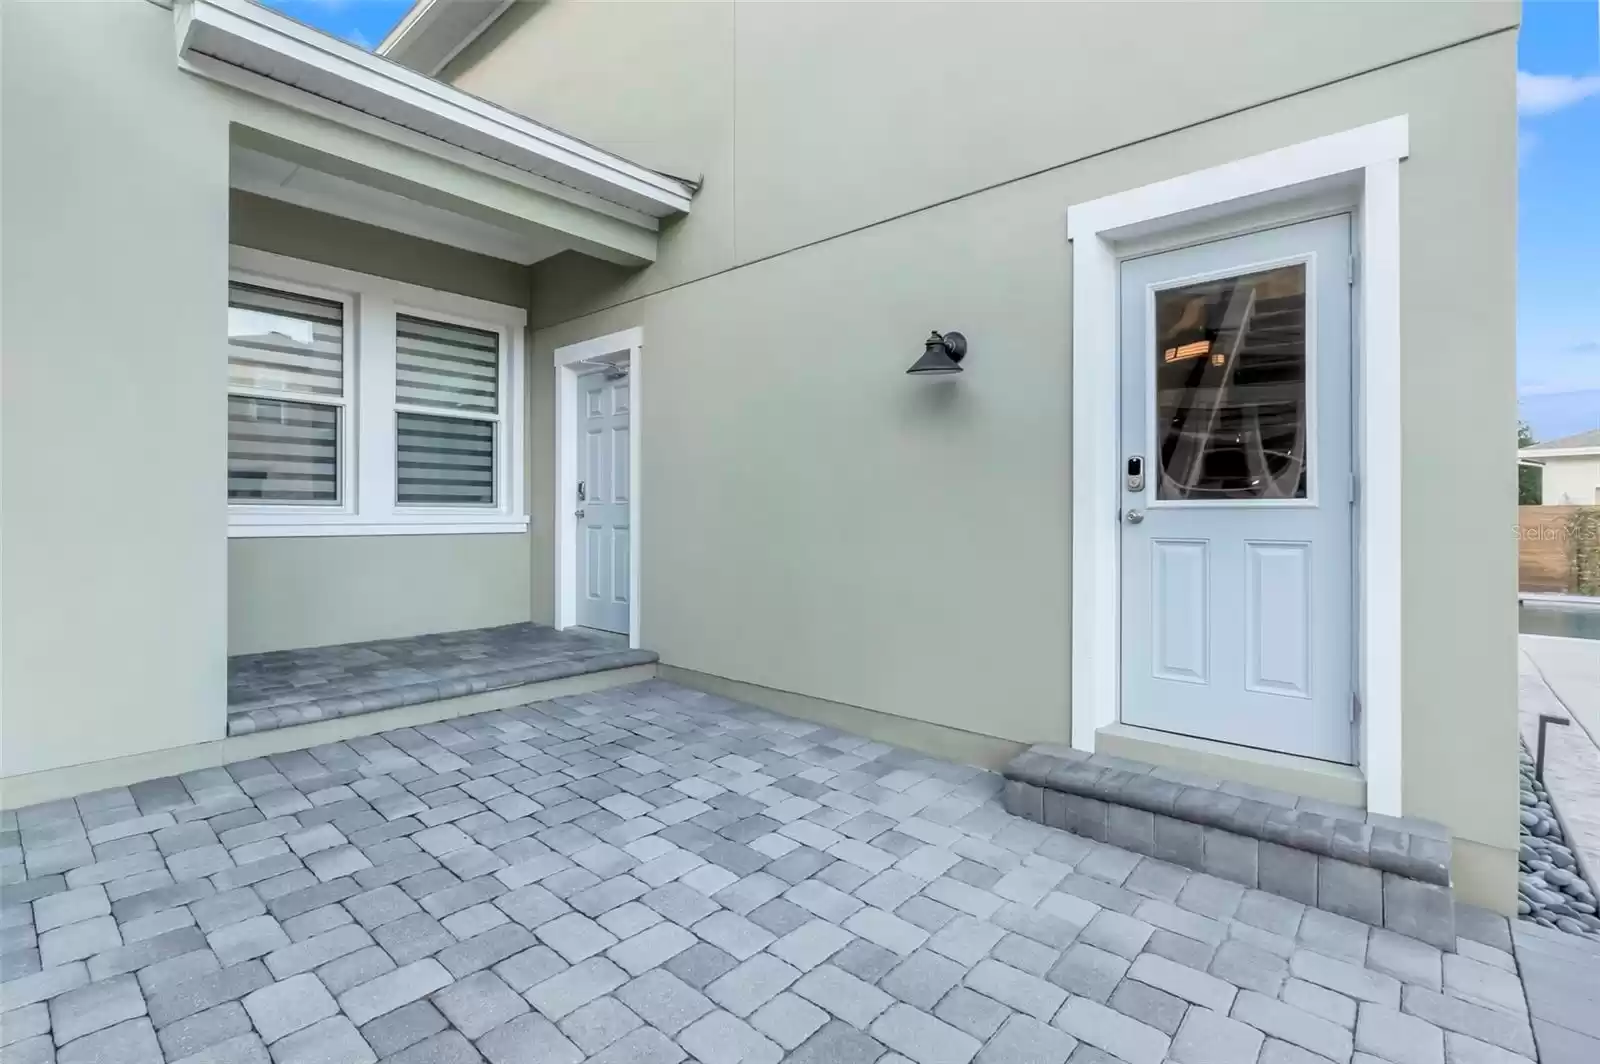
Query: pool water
{"type": "Point", "coordinates": [1545, 620]}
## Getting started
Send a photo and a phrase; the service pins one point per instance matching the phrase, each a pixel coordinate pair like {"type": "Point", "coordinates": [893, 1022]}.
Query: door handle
{"type": "Point", "coordinates": [578, 514]}
{"type": "Point", "coordinates": [1135, 516]}
{"type": "Point", "coordinates": [583, 493]}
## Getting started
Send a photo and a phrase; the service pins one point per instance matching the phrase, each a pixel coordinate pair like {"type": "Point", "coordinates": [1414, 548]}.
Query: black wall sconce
{"type": "Point", "coordinates": [941, 354]}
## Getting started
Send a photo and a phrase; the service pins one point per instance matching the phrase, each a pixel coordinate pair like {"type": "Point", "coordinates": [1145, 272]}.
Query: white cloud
{"type": "Point", "coordinates": [1541, 94]}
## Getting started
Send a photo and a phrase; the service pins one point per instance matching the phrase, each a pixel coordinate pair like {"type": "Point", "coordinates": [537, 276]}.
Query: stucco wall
{"type": "Point", "coordinates": [313, 591]}
{"type": "Point", "coordinates": [1573, 480]}
{"type": "Point", "coordinates": [122, 593]}
{"type": "Point", "coordinates": [814, 522]}
{"type": "Point", "coordinates": [113, 208]}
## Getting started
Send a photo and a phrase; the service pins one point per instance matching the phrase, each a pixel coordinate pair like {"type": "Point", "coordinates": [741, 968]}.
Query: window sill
{"type": "Point", "coordinates": [443, 526]}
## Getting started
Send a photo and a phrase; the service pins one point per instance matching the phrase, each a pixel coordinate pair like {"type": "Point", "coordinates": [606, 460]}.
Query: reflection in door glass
{"type": "Point", "coordinates": [1231, 387]}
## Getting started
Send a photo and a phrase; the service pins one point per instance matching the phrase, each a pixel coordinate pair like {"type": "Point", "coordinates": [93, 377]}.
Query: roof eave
{"type": "Point", "coordinates": [255, 38]}
{"type": "Point", "coordinates": [433, 32]}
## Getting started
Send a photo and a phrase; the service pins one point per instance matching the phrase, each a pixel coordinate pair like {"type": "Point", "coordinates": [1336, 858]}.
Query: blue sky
{"type": "Point", "coordinates": [1558, 268]}
{"type": "Point", "coordinates": [364, 22]}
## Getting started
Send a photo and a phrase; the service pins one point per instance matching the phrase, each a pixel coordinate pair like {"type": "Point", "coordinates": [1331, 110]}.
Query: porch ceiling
{"type": "Point", "coordinates": [379, 134]}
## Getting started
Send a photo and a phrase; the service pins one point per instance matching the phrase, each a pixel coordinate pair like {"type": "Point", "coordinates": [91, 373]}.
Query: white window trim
{"type": "Point", "coordinates": [367, 472]}
{"type": "Point", "coordinates": [1365, 161]}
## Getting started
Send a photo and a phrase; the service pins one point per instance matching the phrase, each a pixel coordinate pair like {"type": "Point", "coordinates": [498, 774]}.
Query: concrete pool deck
{"type": "Point", "coordinates": [1561, 677]}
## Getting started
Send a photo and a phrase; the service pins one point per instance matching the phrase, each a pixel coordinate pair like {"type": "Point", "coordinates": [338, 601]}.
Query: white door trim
{"type": "Point", "coordinates": [1364, 165]}
{"type": "Point", "coordinates": [570, 362]}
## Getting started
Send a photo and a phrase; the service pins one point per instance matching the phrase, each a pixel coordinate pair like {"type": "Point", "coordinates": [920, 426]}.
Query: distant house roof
{"type": "Point", "coordinates": [1577, 442]}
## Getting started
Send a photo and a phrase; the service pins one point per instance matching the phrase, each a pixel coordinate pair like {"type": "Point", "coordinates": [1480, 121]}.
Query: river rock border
{"type": "Point", "coordinates": [1552, 890]}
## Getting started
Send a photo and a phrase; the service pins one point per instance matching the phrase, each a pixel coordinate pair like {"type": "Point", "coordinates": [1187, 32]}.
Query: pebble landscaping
{"type": "Point", "coordinates": [1552, 891]}
{"type": "Point", "coordinates": [654, 875]}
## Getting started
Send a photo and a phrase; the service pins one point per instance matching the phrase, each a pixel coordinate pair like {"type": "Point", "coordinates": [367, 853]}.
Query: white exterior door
{"type": "Point", "coordinates": [602, 506]}
{"type": "Point", "coordinates": [1237, 533]}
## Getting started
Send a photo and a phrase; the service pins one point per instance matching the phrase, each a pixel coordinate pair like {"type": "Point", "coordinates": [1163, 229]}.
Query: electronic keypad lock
{"type": "Point", "coordinates": [1136, 473]}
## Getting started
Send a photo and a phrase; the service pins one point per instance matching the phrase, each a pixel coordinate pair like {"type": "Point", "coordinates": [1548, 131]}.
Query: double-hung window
{"type": "Point", "coordinates": [363, 406]}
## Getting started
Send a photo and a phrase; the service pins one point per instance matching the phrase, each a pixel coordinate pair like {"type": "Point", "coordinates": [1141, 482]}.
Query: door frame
{"type": "Point", "coordinates": [571, 362]}
{"type": "Point", "coordinates": [1357, 172]}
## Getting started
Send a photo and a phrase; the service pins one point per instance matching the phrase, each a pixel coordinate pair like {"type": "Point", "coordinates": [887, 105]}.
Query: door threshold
{"type": "Point", "coordinates": [1344, 784]}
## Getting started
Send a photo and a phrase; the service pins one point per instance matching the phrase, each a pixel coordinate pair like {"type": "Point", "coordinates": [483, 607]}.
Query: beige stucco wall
{"type": "Point", "coordinates": [120, 586]}
{"type": "Point", "coordinates": [1571, 481]}
{"type": "Point", "coordinates": [816, 523]}
{"type": "Point", "coordinates": [113, 196]}
{"type": "Point", "coordinates": [313, 591]}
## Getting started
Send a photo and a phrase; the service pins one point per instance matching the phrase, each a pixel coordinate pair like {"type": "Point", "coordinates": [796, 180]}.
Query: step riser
{"type": "Point", "coordinates": [1405, 904]}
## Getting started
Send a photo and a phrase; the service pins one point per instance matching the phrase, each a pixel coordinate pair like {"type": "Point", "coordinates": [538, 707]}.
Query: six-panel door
{"type": "Point", "coordinates": [603, 457]}
{"type": "Point", "coordinates": [1237, 556]}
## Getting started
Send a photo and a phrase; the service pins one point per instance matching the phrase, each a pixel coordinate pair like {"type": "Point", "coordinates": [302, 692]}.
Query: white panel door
{"type": "Point", "coordinates": [602, 507]}
{"type": "Point", "coordinates": [1237, 532]}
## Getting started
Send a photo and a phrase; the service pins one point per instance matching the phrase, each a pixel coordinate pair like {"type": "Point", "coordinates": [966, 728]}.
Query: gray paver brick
{"type": "Point", "coordinates": [1024, 1040]}
{"type": "Point", "coordinates": [599, 1024]}
{"type": "Point", "coordinates": [843, 995]}
{"type": "Point", "coordinates": [1145, 1003]}
{"type": "Point", "coordinates": [752, 984]}
{"type": "Point", "coordinates": [529, 1039]}
{"type": "Point", "coordinates": [839, 1043]}
{"type": "Point", "coordinates": [576, 987]}
{"type": "Point", "coordinates": [204, 1029]}
{"type": "Point", "coordinates": [174, 1001]}
{"type": "Point", "coordinates": [788, 1020]}
{"type": "Point", "coordinates": [129, 1042]}
{"type": "Point", "coordinates": [247, 939]}
{"type": "Point", "coordinates": [1363, 984]}
{"type": "Point", "coordinates": [479, 1003]}
{"type": "Point", "coordinates": [1293, 1025]}
{"type": "Point", "coordinates": [1207, 1037]}
{"type": "Point", "coordinates": [1495, 1026]}
{"type": "Point", "coordinates": [1243, 965]}
{"type": "Point", "coordinates": [973, 1013]}
{"type": "Point", "coordinates": [75, 942]}
{"type": "Point", "coordinates": [575, 936]}
{"type": "Point", "coordinates": [1088, 971]}
{"type": "Point", "coordinates": [282, 1008]}
{"type": "Point", "coordinates": [446, 1047]}
{"type": "Point", "coordinates": [1397, 1037]}
{"type": "Point", "coordinates": [70, 906]}
{"type": "Point", "coordinates": [331, 1041]}
{"type": "Point", "coordinates": [316, 951]}
{"type": "Point", "coordinates": [664, 1000]}
{"type": "Point", "coordinates": [1021, 991]}
{"type": "Point", "coordinates": [413, 937]}
{"type": "Point", "coordinates": [1109, 1030]}
{"type": "Point", "coordinates": [645, 1045]}
{"type": "Point", "coordinates": [405, 1026]}
{"type": "Point", "coordinates": [142, 954]}
{"type": "Point", "coordinates": [95, 1006]}
{"type": "Point", "coordinates": [389, 991]}
{"type": "Point", "coordinates": [722, 1038]}
{"type": "Point", "coordinates": [1320, 1001]}
{"type": "Point", "coordinates": [922, 1037]}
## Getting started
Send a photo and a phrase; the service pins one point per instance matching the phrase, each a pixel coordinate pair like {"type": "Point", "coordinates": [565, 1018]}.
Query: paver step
{"type": "Point", "coordinates": [1391, 872]}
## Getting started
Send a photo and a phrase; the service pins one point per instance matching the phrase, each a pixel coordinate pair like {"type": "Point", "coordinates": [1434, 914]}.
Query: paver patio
{"type": "Point", "coordinates": [649, 874]}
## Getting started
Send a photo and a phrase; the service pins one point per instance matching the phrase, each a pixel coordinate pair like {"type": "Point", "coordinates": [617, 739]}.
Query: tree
{"type": "Point", "coordinates": [1530, 479]}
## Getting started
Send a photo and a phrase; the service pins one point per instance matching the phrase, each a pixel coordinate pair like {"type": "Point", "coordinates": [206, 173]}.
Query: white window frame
{"type": "Point", "coordinates": [344, 401]}
{"type": "Point", "coordinates": [368, 472]}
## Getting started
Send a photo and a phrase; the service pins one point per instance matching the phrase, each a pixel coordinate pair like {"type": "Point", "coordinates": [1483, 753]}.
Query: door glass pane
{"type": "Point", "coordinates": [1230, 372]}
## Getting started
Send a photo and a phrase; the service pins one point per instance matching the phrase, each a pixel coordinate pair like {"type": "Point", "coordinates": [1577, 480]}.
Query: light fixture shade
{"type": "Point", "coordinates": [941, 354]}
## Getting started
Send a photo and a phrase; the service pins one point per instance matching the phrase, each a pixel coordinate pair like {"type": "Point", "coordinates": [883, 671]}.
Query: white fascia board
{"type": "Point", "coordinates": [244, 34]}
